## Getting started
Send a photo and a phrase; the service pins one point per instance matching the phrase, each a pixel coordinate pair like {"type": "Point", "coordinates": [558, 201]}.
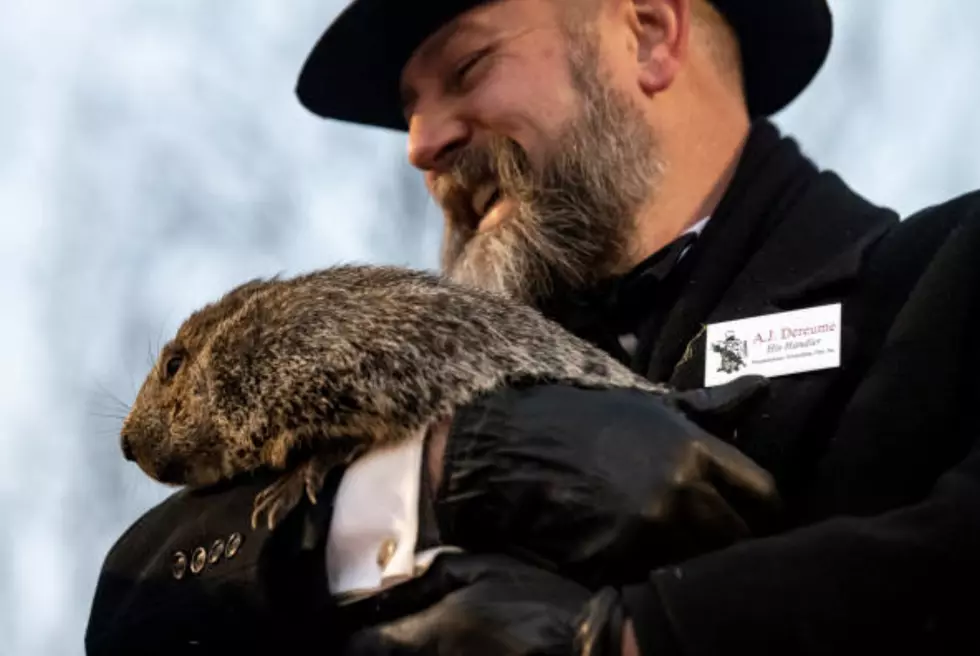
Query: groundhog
{"type": "Point", "coordinates": [304, 374]}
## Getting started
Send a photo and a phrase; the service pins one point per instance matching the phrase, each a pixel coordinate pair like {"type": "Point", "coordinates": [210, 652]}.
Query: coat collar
{"type": "Point", "coordinates": [784, 235]}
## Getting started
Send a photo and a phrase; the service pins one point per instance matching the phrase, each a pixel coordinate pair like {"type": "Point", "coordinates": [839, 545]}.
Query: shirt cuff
{"type": "Point", "coordinates": [375, 523]}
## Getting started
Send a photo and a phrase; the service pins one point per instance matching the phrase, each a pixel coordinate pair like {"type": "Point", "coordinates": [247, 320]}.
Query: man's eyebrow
{"type": "Point", "coordinates": [459, 26]}
{"type": "Point", "coordinates": [456, 28]}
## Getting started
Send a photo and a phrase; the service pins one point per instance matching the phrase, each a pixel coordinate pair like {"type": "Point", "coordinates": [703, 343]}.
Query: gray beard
{"type": "Point", "coordinates": [575, 218]}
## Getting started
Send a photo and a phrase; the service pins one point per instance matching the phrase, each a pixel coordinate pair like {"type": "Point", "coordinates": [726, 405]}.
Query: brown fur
{"type": "Point", "coordinates": [303, 374]}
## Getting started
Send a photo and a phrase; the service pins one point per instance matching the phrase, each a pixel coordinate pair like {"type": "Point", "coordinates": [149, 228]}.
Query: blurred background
{"type": "Point", "coordinates": [152, 155]}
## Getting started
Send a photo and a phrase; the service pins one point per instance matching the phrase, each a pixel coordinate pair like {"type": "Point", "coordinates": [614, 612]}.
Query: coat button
{"type": "Point", "coordinates": [217, 548]}
{"type": "Point", "coordinates": [234, 542]}
{"type": "Point", "coordinates": [386, 552]}
{"type": "Point", "coordinates": [179, 567]}
{"type": "Point", "coordinates": [198, 560]}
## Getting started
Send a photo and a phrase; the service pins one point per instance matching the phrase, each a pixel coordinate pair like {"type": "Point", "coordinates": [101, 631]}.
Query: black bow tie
{"type": "Point", "coordinates": [629, 298]}
{"type": "Point", "coordinates": [619, 305]}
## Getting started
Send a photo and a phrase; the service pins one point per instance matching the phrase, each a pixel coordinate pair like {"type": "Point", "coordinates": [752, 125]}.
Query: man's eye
{"type": "Point", "coordinates": [459, 76]}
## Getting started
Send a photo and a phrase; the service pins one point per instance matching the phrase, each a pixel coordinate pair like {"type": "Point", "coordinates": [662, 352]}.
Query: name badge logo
{"type": "Point", "coordinates": [774, 344]}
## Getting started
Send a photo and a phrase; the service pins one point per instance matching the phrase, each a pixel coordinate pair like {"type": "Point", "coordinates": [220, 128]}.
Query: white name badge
{"type": "Point", "coordinates": [773, 344]}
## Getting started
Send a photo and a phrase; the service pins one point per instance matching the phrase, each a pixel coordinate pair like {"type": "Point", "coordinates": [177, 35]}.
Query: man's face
{"type": "Point", "coordinates": [540, 166]}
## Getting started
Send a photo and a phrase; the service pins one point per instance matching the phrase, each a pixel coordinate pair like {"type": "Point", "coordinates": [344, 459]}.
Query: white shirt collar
{"type": "Point", "coordinates": [698, 227]}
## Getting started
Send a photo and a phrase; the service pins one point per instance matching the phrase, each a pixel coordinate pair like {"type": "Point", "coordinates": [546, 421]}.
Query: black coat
{"type": "Point", "coordinates": [878, 459]}
{"type": "Point", "coordinates": [871, 552]}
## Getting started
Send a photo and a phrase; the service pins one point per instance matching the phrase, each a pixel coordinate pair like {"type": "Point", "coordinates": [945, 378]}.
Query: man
{"type": "Point", "coordinates": [570, 145]}
{"type": "Point", "coordinates": [609, 161]}
{"type": "Point", "coordinates": [191, 576]}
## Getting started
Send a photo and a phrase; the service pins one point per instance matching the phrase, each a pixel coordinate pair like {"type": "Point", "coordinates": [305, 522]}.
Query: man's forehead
{"type": "Point", "coordinates": [471, 23]}
{"type": "Point", "coordinates": [484, 21]}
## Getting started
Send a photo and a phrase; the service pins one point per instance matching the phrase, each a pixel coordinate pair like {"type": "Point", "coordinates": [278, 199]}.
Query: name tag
{"type": "Point", "coordinates": [773, 345]}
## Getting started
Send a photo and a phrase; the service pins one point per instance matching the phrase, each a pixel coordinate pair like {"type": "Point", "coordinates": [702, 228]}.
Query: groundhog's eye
{"type": "Point", "coordinates": [172, 366]}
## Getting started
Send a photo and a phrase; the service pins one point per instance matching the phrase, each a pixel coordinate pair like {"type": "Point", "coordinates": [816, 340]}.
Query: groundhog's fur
{"type": "Point", "coordinates": [303, 374]}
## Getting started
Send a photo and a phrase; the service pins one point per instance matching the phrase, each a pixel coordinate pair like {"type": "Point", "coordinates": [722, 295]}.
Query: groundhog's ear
{"type": "Point", "coordinates": [246, 289]}
{"type": "Point", "coordinates": [202, 323]}
{"type": "Point", "coordinates": [252, 325]}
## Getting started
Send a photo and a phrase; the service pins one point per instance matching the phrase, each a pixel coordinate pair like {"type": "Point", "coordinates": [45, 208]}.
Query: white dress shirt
{"type": "Point", "coordinates": [374, 529]}
{"type": "Point", "coordinates": [375, 523]}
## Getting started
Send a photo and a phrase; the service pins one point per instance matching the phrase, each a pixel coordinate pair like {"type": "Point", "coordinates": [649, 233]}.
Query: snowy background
{"type": "Point", "coordinates": [152, 155]}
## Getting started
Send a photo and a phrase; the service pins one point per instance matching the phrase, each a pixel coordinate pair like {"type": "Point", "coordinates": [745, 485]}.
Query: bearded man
{"type": "Point", "coordinates": [611, 162]}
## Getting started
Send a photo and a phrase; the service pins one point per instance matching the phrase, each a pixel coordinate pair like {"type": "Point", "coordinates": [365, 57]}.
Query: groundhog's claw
{"type": "Point", "coordinates": [316, 471]}
{"type": "Point", "coordinates": [277, 500]}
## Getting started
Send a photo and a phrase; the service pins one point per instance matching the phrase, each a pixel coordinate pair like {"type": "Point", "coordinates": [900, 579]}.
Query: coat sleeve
{"type": "Point", "coordinates": [894, 568]}
{"type": "Point", "coordinates": [250, 592]}
{"type": "Point", "coordinates": [901, 582]}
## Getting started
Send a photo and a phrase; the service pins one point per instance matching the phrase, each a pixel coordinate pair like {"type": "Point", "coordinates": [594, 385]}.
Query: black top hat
{"type": "Point", "coordinates": [353, 72]}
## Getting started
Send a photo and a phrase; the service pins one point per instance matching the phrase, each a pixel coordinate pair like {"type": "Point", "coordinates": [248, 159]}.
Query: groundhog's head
{"type": "Point", "coordinates": [177, 428]}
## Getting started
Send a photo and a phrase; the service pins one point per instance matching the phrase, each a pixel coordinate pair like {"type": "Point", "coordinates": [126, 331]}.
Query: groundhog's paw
{"type": "Point", "coordinates": [278, 499]}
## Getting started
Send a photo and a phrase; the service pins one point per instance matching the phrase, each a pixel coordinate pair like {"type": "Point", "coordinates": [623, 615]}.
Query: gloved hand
{"type": "Point", "coordinates": [718, 409]}
{"type": "Point", "coordinates": [602, 485]}
{"type": "Point", "coordinates": [486, 604]}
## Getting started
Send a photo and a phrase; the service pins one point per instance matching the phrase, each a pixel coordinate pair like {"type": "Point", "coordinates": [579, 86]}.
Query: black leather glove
{"type": "Point", "coordinates": [719, 409]}
{"type": "Point", "coordinates": [602, 485]}
{"type": "Point", "coordinates": [486, 604]}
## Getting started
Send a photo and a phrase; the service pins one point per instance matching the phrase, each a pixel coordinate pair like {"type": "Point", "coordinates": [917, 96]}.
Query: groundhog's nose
{"type": "Point", "coordinates": [127, 447]}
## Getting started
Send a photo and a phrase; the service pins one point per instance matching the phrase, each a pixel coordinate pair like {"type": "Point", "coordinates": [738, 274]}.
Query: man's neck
{"type": "Point", "coordinates": [693, 186]}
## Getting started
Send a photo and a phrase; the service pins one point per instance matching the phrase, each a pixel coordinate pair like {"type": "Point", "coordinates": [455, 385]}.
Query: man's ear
{"type": "Point", "coordinates": [661, 29]}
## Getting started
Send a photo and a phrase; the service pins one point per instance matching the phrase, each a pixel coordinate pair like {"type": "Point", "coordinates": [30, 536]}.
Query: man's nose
{"type": "Point", "coordinates": [433, 138]}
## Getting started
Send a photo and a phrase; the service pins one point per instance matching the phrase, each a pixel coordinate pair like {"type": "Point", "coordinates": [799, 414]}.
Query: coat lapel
{"type": "Point", "coordinates": [785, 236]}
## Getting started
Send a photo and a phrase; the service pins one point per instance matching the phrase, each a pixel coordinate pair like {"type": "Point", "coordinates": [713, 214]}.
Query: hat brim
{"type": "Point", "coordinates": [353, 72]}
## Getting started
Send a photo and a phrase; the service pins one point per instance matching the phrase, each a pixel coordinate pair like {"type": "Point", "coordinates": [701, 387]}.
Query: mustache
{"type": "Point", "coordinates": [500, 160]}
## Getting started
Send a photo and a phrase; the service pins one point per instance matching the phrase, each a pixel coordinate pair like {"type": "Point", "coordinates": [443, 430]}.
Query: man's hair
{"type": "Point", "coordinates": [712, 32]}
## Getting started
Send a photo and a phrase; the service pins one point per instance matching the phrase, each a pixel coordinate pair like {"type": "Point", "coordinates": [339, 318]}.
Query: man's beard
{"type": "Point", "coordinates": [574, 218]}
